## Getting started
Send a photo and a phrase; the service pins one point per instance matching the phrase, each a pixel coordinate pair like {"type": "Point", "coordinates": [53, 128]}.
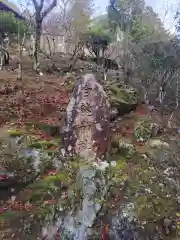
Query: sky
{"type": "Point", "coordinates": [165, 9]}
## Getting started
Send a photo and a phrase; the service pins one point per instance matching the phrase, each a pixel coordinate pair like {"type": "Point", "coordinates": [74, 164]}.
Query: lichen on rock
{"type": "Point", "coordinates": [122, 146]}
{"type": "Point", "coordinates": [123, 99]}
{"type": "Point", "coordinates": [144, 129]}
{"type": "Point", "coordinates": [86, 128]}
{"type": "Point", "coordinates": [157, 143]}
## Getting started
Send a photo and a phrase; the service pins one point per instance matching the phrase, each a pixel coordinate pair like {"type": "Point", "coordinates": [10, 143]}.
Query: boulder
{"type": "Point", "coordinates": [7, 179]}
{"type": "Point", "coordinates": [86, 123]}
{"type": "Point", "coordinates": [145, 129]}
{"type": "Point", "coordinates": [122, 99]}
{"type": "Point", "coordinates": [122, 146]}
{"type": "Point", "coordinates": [86, 134]}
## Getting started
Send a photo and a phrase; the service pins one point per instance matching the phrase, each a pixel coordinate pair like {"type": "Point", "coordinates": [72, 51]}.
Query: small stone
{"type": "Point", "coordinates": [158, 143]}
{"type": "Point", "coordinates": [167, 225]}
{"type": "Point", "coordinates": [161, 185]}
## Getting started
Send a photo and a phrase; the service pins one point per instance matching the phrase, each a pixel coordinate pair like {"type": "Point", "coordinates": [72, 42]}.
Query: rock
{"type": "Point", "coordinates": [122, 146]}
{"type": "Point", "coordinates": [75, 225]}
{"type": "Point", "coordinates": [156, 129]}
{"type": "Point", "coordinates": [86, 128]}
{"type": "Point", "coordinates": [124, 100]}
{"type": "Point", "coordinates": [167, 225]}
{"type": "Point", "coordinates": [145, 129]}
{"type": "Point", "coordinates": [125, 227]}
{"type": "Point", "coordinates": [7, 179]}
{"type": "Point", "coordinates": [126, 148]}
{"type": "Point", "coordinates": [86, 134]}
{"type": "Point", "coordinates": [155, 143]}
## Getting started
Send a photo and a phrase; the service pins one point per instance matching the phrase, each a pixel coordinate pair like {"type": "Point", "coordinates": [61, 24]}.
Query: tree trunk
{"type": "Point", "coordinates": [37, 46]}
{"type": "Point", "coordinates": [126, 63]}
{"type": "Point", "coordinates": [1, 57]}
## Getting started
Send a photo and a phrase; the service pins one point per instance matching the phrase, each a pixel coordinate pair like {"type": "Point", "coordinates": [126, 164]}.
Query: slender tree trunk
{"type": "Point", "coordinates": [126, 63]}
{"type": "Point", "coordinates": [1, 56]}
{"type": "Point", "coordinates": [49, 46]}
{"type": "Point", "coordinates": [37, 46]}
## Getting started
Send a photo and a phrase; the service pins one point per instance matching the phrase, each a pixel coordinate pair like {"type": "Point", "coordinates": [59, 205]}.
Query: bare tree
{"type": "Point", "coordinates": [70, 21]}
{"type": "Point", "coordinates": [80, 14]}
{"type": "Point", "coordinates": [57, 25]}
{"type": "Point", "coordinates": [40, 15]}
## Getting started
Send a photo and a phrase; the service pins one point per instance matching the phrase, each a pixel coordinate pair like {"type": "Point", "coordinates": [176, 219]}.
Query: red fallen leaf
{"type": "Point", "coordinates": [15, 206]}
{"type": "Point", "coordinates": [53, 201]}
{"type": "Point", "coordinates": [53, 148]}
{"type": "Point", "coordinates": [4, 177]}
{"type": "Point", "coordinates": [2, 210]}
{"type": "Point", "coordinates": [52, 172]}
{"type": "Point", "coordinates": [41, 177]}
{"type": "Point", "coordinates": [2, 168]}
{"type": "Point", "coordinates": [105, 232]}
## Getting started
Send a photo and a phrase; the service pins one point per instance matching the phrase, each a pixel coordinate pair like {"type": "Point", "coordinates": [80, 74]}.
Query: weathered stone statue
{"type": "Point", "coordinates": [86, 127]}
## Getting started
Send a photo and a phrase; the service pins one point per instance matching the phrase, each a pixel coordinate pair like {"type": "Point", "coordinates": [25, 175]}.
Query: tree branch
{"type": "Point", "coordinates": [41, 5]}
{"type": "Point", "coordinates": [35, 4]}
{"type": "Point", "coordinates": [49, 9]}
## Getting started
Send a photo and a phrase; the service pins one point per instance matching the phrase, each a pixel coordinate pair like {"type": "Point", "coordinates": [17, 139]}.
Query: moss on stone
{"type": "Point", "coordinates": [152, 199]}
{"type": "Point", "coordinates": [52, 130]}
{"type": "Point", "coordinates": [121, 94]}
{"type": "Point", "coordinates": [143, 130]}
{"type": "Point", "coordinates": [15, 132]}
{"type": "Point", "coordinates": [122, 98]}
{"type": "Point", "coordinates": [48, 185]}
{"type": "Point", "coordinates": [157, 143]}
{"type": "Point", "coordinates": [122, 146]}
{"type": "Point", "coordinates": [44, 144]}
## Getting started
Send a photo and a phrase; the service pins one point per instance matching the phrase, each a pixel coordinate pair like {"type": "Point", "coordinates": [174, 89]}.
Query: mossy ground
{"type": "Point", "coordinates": [142, 183]}
{"type": "Point", "coordinates": [134, 179]}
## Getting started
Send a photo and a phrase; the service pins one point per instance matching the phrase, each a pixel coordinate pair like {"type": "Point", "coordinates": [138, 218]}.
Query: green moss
{"type": "Point", "coordinates": [48, 186]}
{"type": "Point", "coordinates": [143, 130]}
{"type": "Point", "coordinates": [120, 164]}
{"type": "Point", "coordinates": [126, 149]}
{"type": "Point", "coordinates": [115, 141]}
{"type": "Point", "coordinates": [15, 132]}
{"type": "Point", "coordinates": [116, 173]}
{"type": "Point", "coordinates": [153, 207]}
{"type": "Point", "coordinates": [122, 146]}
{"type": "Point", "coordinates": [52, 130]}
{"type": "Point", "coordinates": [118, 94]}
{"type": "Point", "coordinates": [45, 144]}
{"type": "Point", "coordinates": [11, 215]}
{"type": "Point", "coordinates": [152, 200]}
{"type": "Point", "coordinates": [49, 152]}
